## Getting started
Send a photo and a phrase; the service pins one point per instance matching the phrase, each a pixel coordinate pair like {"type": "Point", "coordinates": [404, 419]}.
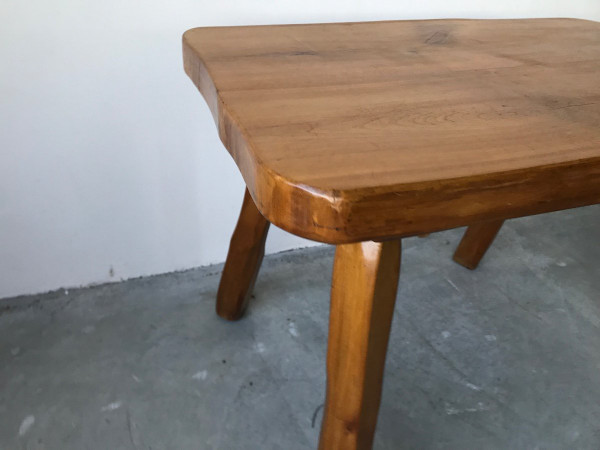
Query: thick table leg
{"type": "Point", "coordinates": [246, 252]}
{"type": "Point", "coordinates": [475, 242]}
{"type": "Point", "coordinates": [363, 294]}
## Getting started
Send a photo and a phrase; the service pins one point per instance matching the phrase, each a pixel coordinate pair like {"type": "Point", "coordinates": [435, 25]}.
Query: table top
{"type": "Point", "coordinates": [354, 131]}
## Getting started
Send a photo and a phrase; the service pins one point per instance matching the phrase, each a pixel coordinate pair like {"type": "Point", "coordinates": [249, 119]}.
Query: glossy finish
{"type": "Point", "coordinates": [246, 252]}
{"type": "Point", "coordinates": [475, 242]}
{"type": "Point", "coordinates": [374, 131]}
{"type": "Point", "coordinates": [363, 294]}
{"type": "Point", "coordinates": [359, 131]}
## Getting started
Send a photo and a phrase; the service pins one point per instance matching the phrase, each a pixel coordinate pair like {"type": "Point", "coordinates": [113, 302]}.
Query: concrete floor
{"type": "Point", "coordinates": [505, 357]}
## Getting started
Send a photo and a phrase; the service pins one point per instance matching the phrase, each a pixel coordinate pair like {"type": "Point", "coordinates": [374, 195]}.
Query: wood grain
{"type": "Point", "coordinates": [356, 131]}
{"type": "Point", "coordinates": [475, 242]}
{"type": "Point", "coordinates": [363, 294]}
{"type": "Point", "coordinates": [244, 257]}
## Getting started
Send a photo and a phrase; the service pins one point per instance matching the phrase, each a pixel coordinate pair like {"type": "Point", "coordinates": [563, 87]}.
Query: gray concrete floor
{"type": "Point", "coordinates": [505, 357]}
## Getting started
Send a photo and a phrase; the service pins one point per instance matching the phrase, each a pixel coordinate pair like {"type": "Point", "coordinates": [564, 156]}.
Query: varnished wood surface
{"type": "Point", "coordinates": [363, 294]}
{"type": "Point", "coordinates": [244, 257]}
{"type": "Point", "coordinates": [475, 242]}
{"type": "Point", "coordinates": [356, 131]}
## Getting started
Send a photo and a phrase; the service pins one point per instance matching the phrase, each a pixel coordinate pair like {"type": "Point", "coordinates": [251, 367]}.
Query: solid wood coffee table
{"type": "Point", "coordinates": [359, 134]}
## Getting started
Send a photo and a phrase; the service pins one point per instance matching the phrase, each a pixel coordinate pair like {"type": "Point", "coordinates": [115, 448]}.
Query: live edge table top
{"type": "Point", "coordinates": [354, 131]}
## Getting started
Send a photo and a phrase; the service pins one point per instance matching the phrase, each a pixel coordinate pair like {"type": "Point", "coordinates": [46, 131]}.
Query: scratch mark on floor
{"type": "Point", "coordinates": [26, 425]}
{"type": "Point", "coordinates": [201, 375]}
{"type": "Point", "coordinates": [472, 386]}
{"type": "Point", "coordinates": [452, 284]}
{"type": "Point", "coordinates": [451, 411]}
{"type": "Point", "coordinates": [112, 406]}
{"type": "Point", "coordinates": [293, 330]}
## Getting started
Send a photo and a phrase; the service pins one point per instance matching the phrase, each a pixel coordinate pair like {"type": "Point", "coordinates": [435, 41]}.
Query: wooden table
{"type": "Point", "coordinates": [359, 134]}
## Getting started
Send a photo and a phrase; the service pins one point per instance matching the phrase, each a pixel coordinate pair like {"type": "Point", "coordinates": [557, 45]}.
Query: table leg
{"type": "Point", "coordinates": [246, 252]}
{"type": "Point", "coordinates": [475, 242]}
{"type": "Point", "coordinates": [363, 294]}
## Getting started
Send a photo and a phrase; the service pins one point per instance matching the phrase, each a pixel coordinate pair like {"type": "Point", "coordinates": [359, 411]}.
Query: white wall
{"type": "Point", "coordinates": [110, 165]}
